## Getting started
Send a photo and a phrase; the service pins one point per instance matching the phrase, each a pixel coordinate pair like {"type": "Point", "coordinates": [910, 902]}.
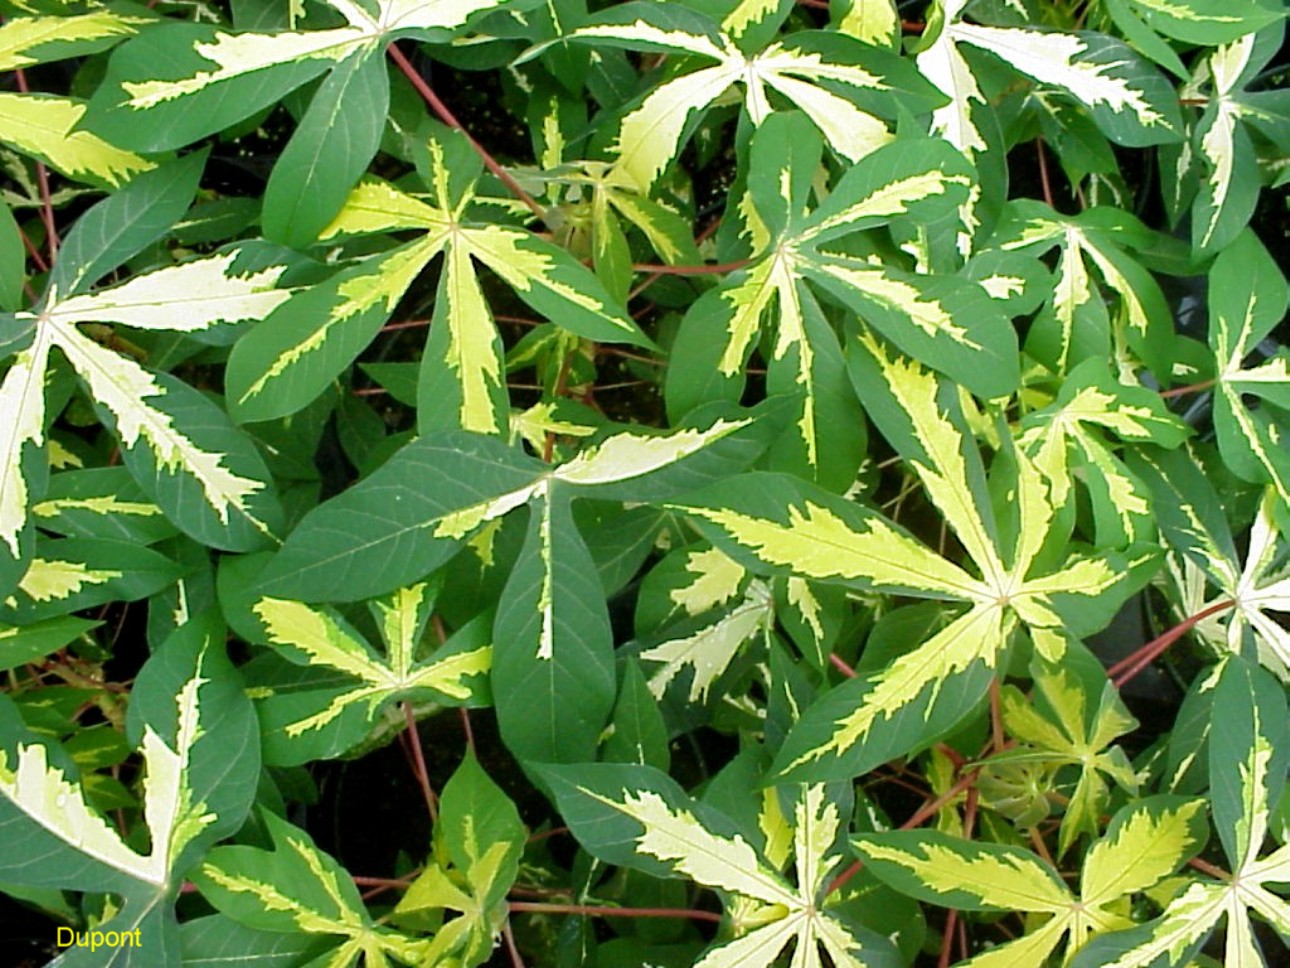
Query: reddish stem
{"type": "Point", "coordinates": [419, 761]}
{"type": "Point", "coordinates": [1135, 662]}
{"type": "Point", "coordinates": [704, 270]}
{"type": "Point", "coordinates": [606, 911]}
{"type": "Point", "coordinates": [42, 178]}
{"type": "Point", "coordinates": [406, 324]}
{"type": "Point", "coordinates": [841, 666]}
{"type": "Point", "coordinates": [1189, 388]}
{"type": "Point", "coordinates": [511, 949]}
{"type": "Point", "coordinates": [1043, 173]}
{"type": "Point", "coordinates": [448, 118]}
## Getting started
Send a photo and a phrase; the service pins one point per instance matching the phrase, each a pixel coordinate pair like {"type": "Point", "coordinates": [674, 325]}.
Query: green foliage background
{"type": "Point", "coordinates": [713, 482]}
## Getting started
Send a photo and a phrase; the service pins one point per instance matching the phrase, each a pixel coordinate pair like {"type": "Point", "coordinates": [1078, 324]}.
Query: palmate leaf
{"type": "Point", "coordinates": [1248, 759]}
{"type": "Point", "coordinates": [776, 525]}
{"type": "Point", "coordinates": [553, 668]}
{"type": "Point", "coordinates": [638, 817]}
{"type": "Point", "coordinates": [838, 82]}
{"type": "Point", "coordinates": [1257, 588]}
{"type": "Point", "coordinates": [1127, 98]}
{"type": "Point", "coordinates": [178, 83]}
{"type": "Point", "coordinates": [1075, 325]}
{"type": "Point", "coordinates": [1248, 297]}
{"type": "Point", "coordinates": [176, 443]}
{"type": "Point", "coordinates": [948, 321]}
{"type": "Point", "coordinates": [1230, 186]}
{"type": "Point", "coordinates": [479, 840]}
{"type": "Point", "coordinates": [281, 366]}
{"type": "Point", "coordinates": [1069, 723]}
{"type": "Point", "coordinates": [181, 449]}
{"type": "Point", "coordinates": [309, 724]}
{"type": "Point", "coordinates": [1070, 436]}
{"type": "Point", "coordinates": [1145, 842]}
{"type": "Point", "coordinates": [296, 888]}
{"type": "Point", "coordinates": [201, 755]}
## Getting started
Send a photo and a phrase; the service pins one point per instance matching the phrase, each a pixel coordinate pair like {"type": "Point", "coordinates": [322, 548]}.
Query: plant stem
{"type": "Point", "coordinates": [1189, 388]}
{"type": "Point", "coordinates": [419, 764]}
{"type": "Point", "coordinates": [42, 177]}
{"type": "Point", "coordinates": [1132, 664]}
{"type": "Point", "coordinates": [841, 665]}
{"type": "Point", "coordinates": [609, 911]}
{"type": "Point", "coordinates": [703, 270]}
{"type": "Point", "coordinates": [514, 952]}
{"type": "Point", "coordinates": [1043, 173]}
{"type": "Point", "coordinates": [448, 118]}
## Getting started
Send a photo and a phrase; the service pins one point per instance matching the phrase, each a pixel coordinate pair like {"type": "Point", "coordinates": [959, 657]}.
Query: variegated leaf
{"type": "Point", "coordinates": [637, 816]}
{"type": "Point", "coordinates": [1144, 843]}
{"type": "Point", "coordinates": [1248, 761]}
{"type": "Point", "coordinates": [1244, 306]}
{"type": "Point", "coordinates": [314, 723]}
{"type": "Point", "coordinates": [188, 713]}
{"type": "Point", "coordinates": [823, 75]}
{"type": "Point", "coordinates": [177, 83]}
{"type": "Point", "coordinates": [47, 128]}
{"type": "Point", "coordinates": [709, 651]}
{"type": "Point", "coordinates": [297, 887]}
{"type": "Point", "coordinates": [26, 41]}
{"type": "Point", "coordinates": [1128, 99]}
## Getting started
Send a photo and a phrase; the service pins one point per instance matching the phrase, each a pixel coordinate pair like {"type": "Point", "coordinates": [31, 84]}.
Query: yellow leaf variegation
{"type": "Point", "coordinates": [647, 822]}
{"type": "Point", "coordinates": [710, 650]}
{"type": "Point", "coordinates": [45, 127]}
{"type": "Point", "coordinates": [315, 636]}
{"type": "Point", "coordinates": [45, 794]}
{"type": "Point", "coordinates": [281, 367]}
{"type": "Point", "coordinates": [1145, 843]}
{"type": "Point", "coordinates": [25, 41]}
{"type": "Point", "coordinates": [190, 298]}
{"type": "Point", "coordinates": [820, 537]}
{"type": "Point", "coordinates": [1127, 99]}
{"type": "Point", "coordinates": [297, 887]}
{"type": "Point", "coordinates": [650, 136]}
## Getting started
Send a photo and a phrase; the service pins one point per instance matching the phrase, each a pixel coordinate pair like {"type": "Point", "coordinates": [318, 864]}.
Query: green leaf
{"type": "Point", "coordinates": [1247, 762]}
{"type": "Point", "coordinates": [392, 530]}
{"type": "Point", "coordinates": [330, 150]}
{"type": "Point", "coordinates": [26, 41]}
{"type": "Point", "coordinates": [74, 573]}
{"type": "Point", "coordinates": [637, 816]}
{"type": "Point", "coordinates": [826, 76]}
{"type": "Point", "coordinates": [638, 734]}
{"type": "Point", "coordinates": [296, 888]}
{"type": "Point", "coordinates": [479, 840]}
{"type": "Point", "coordinates": [308, 724]}
{"type": "Point", "coordinates": [553, 669]}
{"type": "Point", "coordinates": [1243, 309]}
{"type": "Point", "coordinates": [190, 706]}
{"type": "Point", "coordinates": [124, 223]}
{"type": "Point", "coordinates": [1208, 22]}
{"type": "Point", "coordinates": [20, 644]}
{"type": "Point", "coordinates": [287, 361]}
{"type": "Point", "coordinates": [1145, 842]}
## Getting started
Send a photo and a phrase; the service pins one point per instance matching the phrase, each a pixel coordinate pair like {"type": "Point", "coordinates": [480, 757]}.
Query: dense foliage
{"type": "Point", "coordinates": [711, 482]}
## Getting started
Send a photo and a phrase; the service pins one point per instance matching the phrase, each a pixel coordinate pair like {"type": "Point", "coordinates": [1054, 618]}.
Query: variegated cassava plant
{"type": "Point", "coordinates": [704, 482]}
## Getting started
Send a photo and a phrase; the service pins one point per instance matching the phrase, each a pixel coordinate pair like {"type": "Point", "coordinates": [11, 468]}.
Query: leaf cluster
{"type": "Point", "coordinates": [784, 483]}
